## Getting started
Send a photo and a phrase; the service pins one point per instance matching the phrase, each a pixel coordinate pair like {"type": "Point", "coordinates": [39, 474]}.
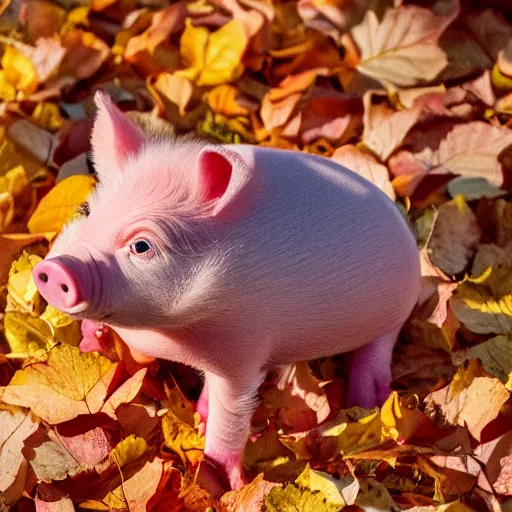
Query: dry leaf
{"type": "Point", "coordinates": [495, 355]}
{"type": "Point", "coordinates": [15, 426]}
{"type": "Point", "coordinates": [249, 498]}
{"type": "Point", "coordinates": [57, 207]}
{"type": "Point", "coordinates": [384, 128]}
{"type": "Point", "coordinates": [402, 49]}
{"type": "Point", "coordinates": [62, 505]}
{"type": "Point", "coordinates": [211, 58]}
{"type": "Point", "coordinates": [366, 166]}
{"type": "Point", "coordinates": [68, 384]}
{"type": "Point", "coordinates": [455, 237]}
{"type": "Point", "coordinates": [484, 304]}
{"type": "Point", "coordinates": [474, 398]}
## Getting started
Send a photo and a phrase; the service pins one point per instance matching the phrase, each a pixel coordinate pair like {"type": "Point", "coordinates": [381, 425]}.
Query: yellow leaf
{"type": "Point", "coordinates": [64, 327]}
{"type": "Point", "coordinates": [11, 245]}
{"type": "Point", "coordinates": [213, 59]}
{"type": "Point", "coordinates": [77, 16]}
{"type": "Point", "coordinates": [27, 335]}
{"type": "Point", "coordinates": [484, 304]}
{"type": "Point", "coordinates": [68, 384]}
{"type": "Point", "coordinates": [399, 422]}
{"type": "Point", "coordinates": [19, 71]}
{"type": "Point", "coordinates": [11, 156]}
{"type": "Point", "coordinates": [59, 205]}
{"type": "Point", "coordinates": [193, 49]}
{"type": "Point", "coordinates": [323, 483]}
{"type": "Point", "coordinates": [500, 80]}
{"type": "Point", "coordinates": [179, 434]}
{"type": "Point", "coordinates": [6, 209]}
{"type": "Point", "coordinates": [129, 450]}
{"type": "Point", "coordinates": [47, 116]}
{"type": "Point", "coordinates": [13, 185]}
{"type": "Point", "coordinates": [7, 90]}
{"type": "Point", "coordinates": [360, 435]}
{"type": "Point", "coordinates": [222, 100]}
{"type": "Point", "coordinates": [23, 295]}
{"type": "Point", "coordinates": [292, 497]}
{"type": "Point", "coordinates": [224, 52]}
{"type": "Point", "coordinates": [473, 398]}
{"type": "Point", "coordinates": [14, 181]}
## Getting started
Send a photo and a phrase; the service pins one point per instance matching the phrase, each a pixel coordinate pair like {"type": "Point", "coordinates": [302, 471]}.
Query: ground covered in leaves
{"type": "Point", "coordinates": [415, 96]}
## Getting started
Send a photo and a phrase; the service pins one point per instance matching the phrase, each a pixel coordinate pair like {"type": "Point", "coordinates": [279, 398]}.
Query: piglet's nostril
{"type": "Point", "coordinates": [64, 288]}
{"type": "Point", "coordinates": [44, 277]}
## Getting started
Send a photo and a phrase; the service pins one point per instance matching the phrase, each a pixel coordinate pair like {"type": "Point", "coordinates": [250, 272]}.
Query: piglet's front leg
{"type": "Point", "coordinates": [231, 404]}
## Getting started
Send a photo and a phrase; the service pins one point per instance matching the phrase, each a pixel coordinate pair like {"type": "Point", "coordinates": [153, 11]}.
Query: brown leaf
{"type": "Point", "coordinates": [249, 498]}
{"type": "Point", "coordinates": [366, 166]}
{"type": "Point", "coordinates": [325, 114]}
{"type": "Point", "coordinates": [433, 324]}
{"type": "Point", "coordinates": [491, 30]}
{"type": "Point", "coordinates": [465, 56]}
{"type": "Point", "coordinates": [276, 113]}
{"type": "Point", "coordinates": [40, 143]}
{"type": "Point", "coordinates": [124, 393]}
{"type": "Point", "coordinates": [46, 56]}
{"type": "Point", "coordinates": [455, 237]}
{"type": "Point", "coordinates": [155, 485]}
{"type": "Point", "coordinates": [334, 17]}
{"type": "Point", "coordinates": [469, 150]}
{"type": "Point", "coordinates": [384, 128]}
{"type": "Point", "coordinates": [301, 382]}
{"type": "Point", "coordinates": [449, 483]}
{"type": "Point", "coordinates": [163, 23]}
{"type": "Point", "coordinates": [85, 54]}
{"type": "Point", "coordinates": [42, 19]}
{"type": "Point", "coordinates": [402, 49]}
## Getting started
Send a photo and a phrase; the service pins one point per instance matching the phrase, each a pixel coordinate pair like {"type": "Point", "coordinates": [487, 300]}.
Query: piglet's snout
{"type": "Point", "coordinates": [57, 284]}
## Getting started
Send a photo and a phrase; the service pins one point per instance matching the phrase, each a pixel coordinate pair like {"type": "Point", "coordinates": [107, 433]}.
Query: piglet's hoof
{"type": "Point", "coordinates": [211, 479]}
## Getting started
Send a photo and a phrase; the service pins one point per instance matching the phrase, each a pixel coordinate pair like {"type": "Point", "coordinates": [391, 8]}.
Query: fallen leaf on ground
{"type": "Point", "coordinates": [366, 166]}
{"type": "Point", "coordinates": [68, 384]}
{"type": "Point", "coordinates": [57, 207]}
{"type": "Point", "coordinates": [402, 49]}
{"type": "Point", "coordinates": [455, 237]}
{"type": "Point", "coordinates": [474, 398]}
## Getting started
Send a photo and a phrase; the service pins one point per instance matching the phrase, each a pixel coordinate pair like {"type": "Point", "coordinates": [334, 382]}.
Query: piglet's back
{"type": "Point", "coordinates": [321, 255]}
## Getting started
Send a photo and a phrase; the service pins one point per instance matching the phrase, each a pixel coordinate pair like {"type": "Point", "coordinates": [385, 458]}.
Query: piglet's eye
{"type": "Point", "coordinates": [140, 247]}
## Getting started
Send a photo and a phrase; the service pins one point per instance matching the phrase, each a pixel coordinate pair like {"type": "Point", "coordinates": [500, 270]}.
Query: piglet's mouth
{"type": "Point", "coordinates": [84, 314]}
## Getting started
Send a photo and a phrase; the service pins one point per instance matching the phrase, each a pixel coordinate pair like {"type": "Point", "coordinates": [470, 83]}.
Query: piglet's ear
{"type": "Point", "coordinates": [221, 173]}
{"type": "Point", "coordinates": [114, 137]}
{"type": "Point", "coordinates": [214, 174]}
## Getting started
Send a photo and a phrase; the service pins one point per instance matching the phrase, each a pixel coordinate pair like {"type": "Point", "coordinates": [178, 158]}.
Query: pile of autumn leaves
{"type": "Point", "coordinates": [416, 99]}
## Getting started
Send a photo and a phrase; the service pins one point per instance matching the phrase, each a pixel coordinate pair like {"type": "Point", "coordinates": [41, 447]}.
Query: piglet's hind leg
{"type": "Point", "coordinates": [231, 404]}
{"type": "Point", "coordinates": [369, 382]}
